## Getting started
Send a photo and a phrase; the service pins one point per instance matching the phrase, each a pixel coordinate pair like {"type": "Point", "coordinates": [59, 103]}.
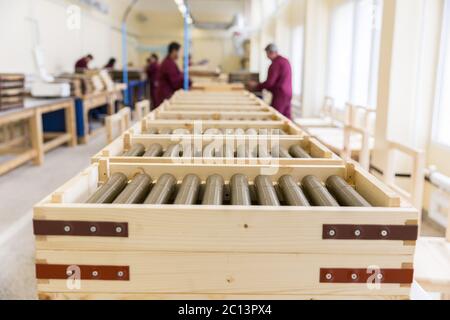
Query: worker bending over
{"type": "Point", "coordinates": [83, 64]}
{"type": "Point", "coordinates": [111, 64]}
{"type": "Point", "coordinates": [152, 74]}
{"type": "Point", "coordinates": [170, 78]}
{"type": "Point", "coordinates": [279, 81]}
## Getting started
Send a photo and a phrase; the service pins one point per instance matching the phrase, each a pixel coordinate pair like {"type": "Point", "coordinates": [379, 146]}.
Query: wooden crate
{"type": "Point", "coordinates": [201, 98]}
{"type": "Point", "coordinates": [215, 107]}
{"type": "Point", "coordinates": [214, 115]}
{"type": "Point", "coordinates": [167, 251]}
{"type": "Point", "coordinates": [12, 91]}
{"type": "Point", "coordinates": [217, 87]}
{"type": "Point", "coordinates": [114, 151]}
{"type": "Point", "coordinates": [200, 126]}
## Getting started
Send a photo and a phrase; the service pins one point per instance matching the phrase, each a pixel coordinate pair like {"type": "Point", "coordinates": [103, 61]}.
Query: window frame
{"type": "Point", "coordinates": [444, 55]}
{"type": "Point", "coordinates": [374, 55]}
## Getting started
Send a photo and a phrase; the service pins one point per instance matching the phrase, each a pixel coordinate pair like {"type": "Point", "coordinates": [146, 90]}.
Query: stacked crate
{"type": "Point", "coordinates": [160, 214]}
{"type": "Point", "coordinates": [12, 91]}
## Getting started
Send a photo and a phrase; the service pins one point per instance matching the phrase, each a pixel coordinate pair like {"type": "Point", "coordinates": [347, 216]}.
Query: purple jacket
{"type": "Point", "coordinates": [170, 79]}
{"type": "Point", "coordinates": [279, 83]}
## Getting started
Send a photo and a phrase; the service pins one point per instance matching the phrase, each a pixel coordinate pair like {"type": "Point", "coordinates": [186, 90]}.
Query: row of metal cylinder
{"type": "Point", "coordinates": [216, 131]}
{"type": "Point", "coordinates": [214, 150]}
{"type": "Point", "coordinates": [286, 191]}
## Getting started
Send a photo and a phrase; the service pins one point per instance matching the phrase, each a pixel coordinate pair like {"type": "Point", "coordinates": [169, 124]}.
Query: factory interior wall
{"type": "Point", "coordinates": [47, 20]}
{"type": "Point", "coordinates": [410, 43]}
{"type": "Point", "coordinates": [284, 26]}
{"type": "Point", "coordinates": [216, 46]}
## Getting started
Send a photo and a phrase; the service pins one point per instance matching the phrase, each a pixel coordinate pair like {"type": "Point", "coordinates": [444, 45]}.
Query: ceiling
{"type": "Point", "coordinates": [201, 10]}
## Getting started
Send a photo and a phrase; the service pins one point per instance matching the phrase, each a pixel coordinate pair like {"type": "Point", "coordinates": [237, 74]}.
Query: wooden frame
{"type": "Point", "coordinates": [287, 126]}
{"type": "Point", "coordinates": [321, 155]}
{"type": "Point", "coordinates": [211, 115]}
{"type": "Point", "coordinates": [168, 106]}
{"type": "Point", "coordinates": [33, 116]}
{"type": "Point", "coordinates": [418, 173]}
{"type": "Point", "coordinates": [350, 127]}
{"type": "Point", "coordinates": [218, 87]}
{"type": "Point", "coordinates": [120, 121]}
{"type": "Point", "coordinates": [224, 250]}
{"type": "Point", "coordinates": [141, 109]}
{"type": "Point", "coordinates": [94, 101]}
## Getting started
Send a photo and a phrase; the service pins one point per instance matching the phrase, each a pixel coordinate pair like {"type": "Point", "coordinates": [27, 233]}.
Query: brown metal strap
{"type": "Point", "coordinates": [64, 272]}
{"type": "Point", "coordinates": [370, 232]}
{"type": "Point", "coordinates": [386, 276]}
{"type": "Point", "coordinates": [80, 228]}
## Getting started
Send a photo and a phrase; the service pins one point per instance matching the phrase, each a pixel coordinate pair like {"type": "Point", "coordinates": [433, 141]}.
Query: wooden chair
{"type": "Point", "coordinates": [350, 134]}
{"type": "Point", "coordinates": [324, 120]}
{"type": "Point", "coordinates": [432, 263]}
{"type": "Point", "coordinates": [142, 109]}
{"type": "Point", "coordinates": [117, 124]}
{"type": "Point", "coordinates": [415, 196]}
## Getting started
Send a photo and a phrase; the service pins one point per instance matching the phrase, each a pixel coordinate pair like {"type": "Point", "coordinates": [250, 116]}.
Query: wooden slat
{"type": "Point", "coordinates": [218, 273]}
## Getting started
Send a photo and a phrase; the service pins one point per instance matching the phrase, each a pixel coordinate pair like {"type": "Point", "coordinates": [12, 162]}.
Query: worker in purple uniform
{"type": "Point", "coordinates": [152, 73]}
{"type": "Point", "coordinates": [170, 78]}
{"type": "Point", "coordinates": [279, 81]}
{"type": "Point", "coordinates": [83, 64]}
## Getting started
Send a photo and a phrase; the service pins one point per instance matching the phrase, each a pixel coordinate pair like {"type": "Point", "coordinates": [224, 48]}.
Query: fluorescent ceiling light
{"type": "Point", "coordinates": [184, 10]}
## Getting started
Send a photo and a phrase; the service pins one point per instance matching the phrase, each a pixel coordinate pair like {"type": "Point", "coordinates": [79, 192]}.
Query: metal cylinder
{"type": "Point", "coordinates": [155, 150]}
{"type": "Point", "coordinates": [229, 151]}
{"type": "Point", "coordinates": [136, 191]}
{"type": "Point", "coordinates": [213, 132]}
{"type": "Point", "coordinates": [211, 151]}
{"type": "Point", "coordinates": [137, 150]}
{"type": "Point", "coordinates": [267, 196]}
{"type": "Point", "coordinates": [240, 192]}
{"type": "Point", "coordinates": [151, 131]}
{"type": "Point", "coordinates": [165, 131]}
{"type": "Point", "coordinates": [284, 153]}
{"type": "Point", "coordinates": [345, 194]}
{"type": "Point", "coordinates": [251, 132]}
{"type": "Point", "coordinates": [181, 132]}
{"type": "Point", "coordinates": [241, 149]}
{"type": "Point", "coordinates": [263, 152]}
{"type": "Point", "coordinates": [239, 132]}
{"type": "Point", "coordinates": [214, 191]}
{"type": "Point", "coordinates": [317, 194]}
{"type": "Point", "coordinates": [298, 152]}
{"type": "Point", "coordinates": [188, 192]}
{"type": "Point", "coordinates": [292, 192]}
{"type": "Point", "coordinates": [162, 191]}
{"type": "Point", "coordinates": [110, 190]}
{"type": "Point", "coordinates": [173, 151]}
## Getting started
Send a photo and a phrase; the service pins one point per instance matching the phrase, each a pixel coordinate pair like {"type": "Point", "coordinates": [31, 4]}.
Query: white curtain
{"type": "Point", "coordinates": [340, 53]}
{"type": "Point", "coordinates": [442, 115]}
{"type": "Point", "coordinates": [354, 46]}
{"type": "Point", "coordinates": [297, 59]}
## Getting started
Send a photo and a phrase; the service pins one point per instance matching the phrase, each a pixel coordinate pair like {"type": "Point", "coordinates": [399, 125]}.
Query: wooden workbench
{"type": "Point", "coordinates": [105, 100]}
{"type": "Point", "coordinates": [38, 114]}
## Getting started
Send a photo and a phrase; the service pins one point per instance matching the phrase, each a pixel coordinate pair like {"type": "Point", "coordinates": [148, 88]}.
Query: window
{"type": "Point", "coordinates": [442, 105]}
{"type": "Point", "coordinates": [353, 58]}
{"type": "Point", "coordinates": [297, 59]}
{"type": "Point", "coordinates": [340, 53]}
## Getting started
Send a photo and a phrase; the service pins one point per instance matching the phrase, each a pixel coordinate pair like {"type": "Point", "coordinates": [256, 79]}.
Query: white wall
{"type": "Point", "coordinates": [30, 20]}
{"type": "Point", "coordinates": [215, 46]}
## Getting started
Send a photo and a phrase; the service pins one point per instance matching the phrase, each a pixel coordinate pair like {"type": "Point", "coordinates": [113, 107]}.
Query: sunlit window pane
{"type": "Point", "coordinates": [442, 131]}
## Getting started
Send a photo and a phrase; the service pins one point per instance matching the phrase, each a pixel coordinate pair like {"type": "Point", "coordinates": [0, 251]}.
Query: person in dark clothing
{"type": "Point", "coordinates": [152, 74]}
{"type": "Point", "coordinates": [111, 64]}
{"type": "Point", "coordinates": [83, 63]}
{"type": "Point", "coordinates": [279, 81]}
{"type": "Point", "coordinates": [170, 78]}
